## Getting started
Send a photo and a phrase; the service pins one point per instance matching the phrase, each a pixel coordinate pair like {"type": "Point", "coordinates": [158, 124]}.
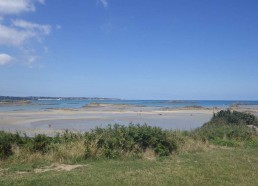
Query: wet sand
{"type": "Point", "coordinates": [80, 120]}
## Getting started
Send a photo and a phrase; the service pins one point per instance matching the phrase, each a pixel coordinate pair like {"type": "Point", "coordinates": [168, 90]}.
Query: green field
{"type": "Point", "coordinates": [219, 166]}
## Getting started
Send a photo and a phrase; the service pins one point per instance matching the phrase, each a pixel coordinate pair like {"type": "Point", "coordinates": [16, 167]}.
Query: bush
{"type": "Point", "coordinates": [234, 118]}
{"type": "Point", "coordinates": [213, 132]}
{"type": "Point", "coordinates": [40, 143]}
{"type": "Point", "coordinates": [6, 141]}
{"type": "Point", "coordinates": [113, 141]}
{"type": "Point", "coordinates": [227, 128]}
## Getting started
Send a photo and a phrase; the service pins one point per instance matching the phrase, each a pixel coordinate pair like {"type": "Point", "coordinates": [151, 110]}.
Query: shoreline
{"type": "Point", "coordinates": [51, 121]}
{"type": "Point", "coordinates": [15, 103]}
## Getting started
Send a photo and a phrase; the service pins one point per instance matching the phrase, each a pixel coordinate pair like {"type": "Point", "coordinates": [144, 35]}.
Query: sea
{"type": "Point", "coordinates": [45, 104]}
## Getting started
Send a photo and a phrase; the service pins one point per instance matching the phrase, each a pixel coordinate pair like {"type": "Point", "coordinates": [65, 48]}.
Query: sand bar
{"type": "Point", "coordinates": [57, 120]}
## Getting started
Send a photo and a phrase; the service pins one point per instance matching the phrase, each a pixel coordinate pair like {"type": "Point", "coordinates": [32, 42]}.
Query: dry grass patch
{"type": "Point", "coordinates": [67, 151]}
{"type": "Point", "coordinates": [57, 167]}
{"type": "Point", "coordinates": [190, 145]}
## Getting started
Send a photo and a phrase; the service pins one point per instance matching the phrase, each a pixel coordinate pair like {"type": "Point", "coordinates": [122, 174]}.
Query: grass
{"type": "Point", "coordinates": [219, 166]}
{"type": "Point", "coordinates": [223, 151]}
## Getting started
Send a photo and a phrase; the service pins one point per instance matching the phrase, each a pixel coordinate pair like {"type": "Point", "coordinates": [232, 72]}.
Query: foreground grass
{"type": "Point", "coordinates": [218, 166]}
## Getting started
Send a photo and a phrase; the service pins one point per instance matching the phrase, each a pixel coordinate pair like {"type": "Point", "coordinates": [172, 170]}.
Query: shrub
{"type": "Point", "coordinates": [40, 143]}
{"type": "Point", "coordinates": [213, 131]}
{"type": "Point", "coordinates": [227, 128]}
{"type": "Point", "coordinates": [234, 118]}
{"type": "Point", "coordinates": [113, 141]}
{"type": "Point", "coordinates": [6, 140]}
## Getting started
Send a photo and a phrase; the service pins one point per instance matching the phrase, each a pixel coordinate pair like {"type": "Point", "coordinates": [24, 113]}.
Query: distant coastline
{"type": "Point", "coordinates": [15, 102]}
{"type": "Point", "coordinates": [30, 103]}
{"type": "Point", "coordinates": [30, 98]}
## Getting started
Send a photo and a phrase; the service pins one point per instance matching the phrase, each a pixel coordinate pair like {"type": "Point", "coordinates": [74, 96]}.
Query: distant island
{"type": "Point", "coordinates": [10, 99]}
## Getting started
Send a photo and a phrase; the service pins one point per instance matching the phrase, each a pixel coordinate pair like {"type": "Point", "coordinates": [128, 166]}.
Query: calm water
{"type": "Point", "coordinates": [76, 104]}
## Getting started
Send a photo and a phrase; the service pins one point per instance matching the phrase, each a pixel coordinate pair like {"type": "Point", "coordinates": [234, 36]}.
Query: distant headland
{"type": "Point", "coordinates": [31, 98]}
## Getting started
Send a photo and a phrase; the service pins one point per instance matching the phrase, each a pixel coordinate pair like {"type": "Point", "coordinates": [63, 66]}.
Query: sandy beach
{"type": "Point", "coordinates": [52, 121]}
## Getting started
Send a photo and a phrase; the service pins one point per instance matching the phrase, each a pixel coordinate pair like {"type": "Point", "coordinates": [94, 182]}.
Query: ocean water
{"type": "Point", "coordinates": [78, 103]}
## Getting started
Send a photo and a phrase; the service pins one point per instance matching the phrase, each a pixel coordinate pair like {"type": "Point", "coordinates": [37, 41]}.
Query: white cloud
{"type": "Point", "coordinates": [8, 7]}
{"type": "Point", "coordinates": [16, 6]}
{"type": "Point", "coordinates": [18, 33]}
{"type": "Point", "coordinates": [104, 3]}
{"type": "Point", "coordinates": [5, 59]}
{"type": "Point", "coordinates": [33, 27]}
{"type": "Point", "coordinates": [12, 37]}
{"type": "Point", "coordinates": [21, 31]}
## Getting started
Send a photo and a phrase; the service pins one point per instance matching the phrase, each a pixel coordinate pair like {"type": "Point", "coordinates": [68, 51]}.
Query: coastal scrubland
{"type": "Point", "coordinates": [224, 151]}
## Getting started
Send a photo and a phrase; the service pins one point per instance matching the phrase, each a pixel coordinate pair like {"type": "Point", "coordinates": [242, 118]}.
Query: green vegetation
{"type": "Point", "coordinates": [116, 141]}
{"type": "Point", "coordinates": [229, 128]}
{"type": "Point", "coordinates": [113, 142]}
{"type": "Point", "coordinates": [137, 154]}
{"type": "Point", "coordinates": [227, 117]}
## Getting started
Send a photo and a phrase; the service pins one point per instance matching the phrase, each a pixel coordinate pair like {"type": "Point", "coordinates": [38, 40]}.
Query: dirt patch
{"type": "Point", "coordinates": [57, 167]}
{"type": "Point", "coordinates": [255, 128]}
{"type": "Point", "coordinates": [2, 171]}
{"type": "Point", "coordinates": [53, 167]}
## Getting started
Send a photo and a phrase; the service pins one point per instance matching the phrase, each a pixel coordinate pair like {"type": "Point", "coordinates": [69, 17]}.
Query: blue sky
{"type": "Point", "coordinates": [131, 49]}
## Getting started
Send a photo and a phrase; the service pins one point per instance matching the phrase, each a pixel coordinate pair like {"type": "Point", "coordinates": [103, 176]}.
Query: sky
{"type": "Point", "coordinates": [130, 49]}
